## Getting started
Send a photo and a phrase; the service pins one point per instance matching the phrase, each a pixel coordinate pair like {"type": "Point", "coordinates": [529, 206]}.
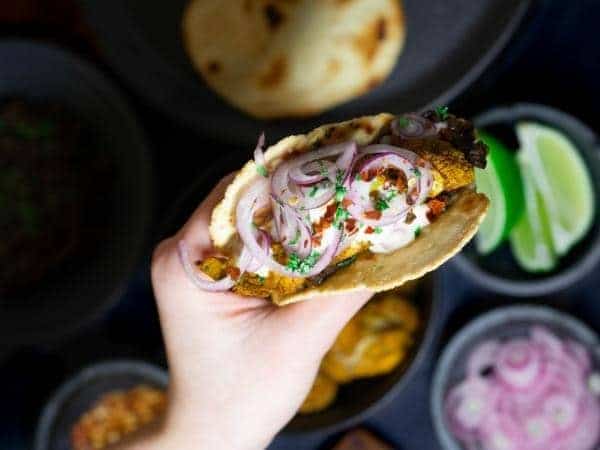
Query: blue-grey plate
{"type": "Point", "coordinates": [79, 290]}
{"type": "Point", "coordinates": [448, 46]}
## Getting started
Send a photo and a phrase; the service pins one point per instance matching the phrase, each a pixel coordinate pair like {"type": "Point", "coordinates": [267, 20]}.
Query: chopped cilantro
{"type": "Point", "coordinates": [381, 204]}
{"type": "Point", "coordinates": [417, 231]}
{"type": "Point", "coordinates": [313, 191]}
{"type": "Point", "coordinates": [339, 177]}
{"type": "Point", "coordinates": [378, 230]}
{"type": "Point", "coordinates": [357, 176]}
{"type": "Point", "coordinates": [296, 238]}
{"type": "Point", "coordinates": [346, 262]}
{"type": "Point", "coordinates": [442, 112]}
{"type": "Point", "coordinates": [262, 170]}
{"type": "Point", "coordinates": [340, 216]}
{"type": "Point", "coordinates": [340, 192]}
{"type": "Point", "coordinates": [403, 122]}
{"type": "Point", "coordinates": [391, 195]}
{"type": "Point", "coordinates": [416, 171]}
{"type": "Point", "coordinates": [261, 279]}
{"type": "Point", "coordinates": [323, 169]}
{"type": "Point", "coordinates": [297, 264]}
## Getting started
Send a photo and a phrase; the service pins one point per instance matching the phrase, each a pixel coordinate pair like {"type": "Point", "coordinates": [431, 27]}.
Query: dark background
{"type": "Point", "coordinates": [554, 59]}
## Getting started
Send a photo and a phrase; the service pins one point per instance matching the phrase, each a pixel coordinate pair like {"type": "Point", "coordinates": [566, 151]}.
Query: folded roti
{"type": "Point", "coordinates": [437, 243]}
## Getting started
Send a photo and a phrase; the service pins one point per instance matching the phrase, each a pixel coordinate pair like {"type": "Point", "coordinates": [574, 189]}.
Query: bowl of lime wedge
{"type": "Point", "coordinates": [542, 232]}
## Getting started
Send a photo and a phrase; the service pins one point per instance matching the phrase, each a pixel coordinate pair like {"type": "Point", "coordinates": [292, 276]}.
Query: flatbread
{"type": "Point", "coordinates": [282, 58]}
{"type": "Point", "coordinates": [377, 272]}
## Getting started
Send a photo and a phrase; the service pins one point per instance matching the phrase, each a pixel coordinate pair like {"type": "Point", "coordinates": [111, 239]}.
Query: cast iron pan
{"type": "Point", "coordinates": [449, 44]}
{"type": "Point", "coordinates": [357, 400]}
{"type": "Point", "coordinates": [80, 289]}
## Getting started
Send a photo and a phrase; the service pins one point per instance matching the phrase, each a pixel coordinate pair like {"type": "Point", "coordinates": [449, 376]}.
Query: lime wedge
{"type": "Point", "coordinates": [531, 240]}
{"type": "Point", "coordinates": [559, 174]}
{"type": "Point", "coordinates": [501, 182]}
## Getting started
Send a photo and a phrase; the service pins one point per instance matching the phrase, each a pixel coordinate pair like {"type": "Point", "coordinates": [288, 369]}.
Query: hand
{"type": "Point", "coordinates": [240, 367]}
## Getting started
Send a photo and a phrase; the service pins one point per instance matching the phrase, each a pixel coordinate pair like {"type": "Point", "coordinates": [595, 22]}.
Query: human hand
{"type": "Point", "coordinates": [240, 367]}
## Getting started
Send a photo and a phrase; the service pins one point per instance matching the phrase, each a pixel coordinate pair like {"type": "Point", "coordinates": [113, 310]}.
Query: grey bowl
{"type": "Point", "coordinates": [80, 289]}
{"type": "Point", "coordinates": [499, 272]}
{"type": "Point", "coordinates": [79, 393]}
{"type": "Point", "coordinates": [503, 323]}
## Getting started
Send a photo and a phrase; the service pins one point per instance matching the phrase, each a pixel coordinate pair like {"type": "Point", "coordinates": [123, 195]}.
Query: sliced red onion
{"type": "Point", "coordinates": [313, 172]}
{"type": "Point", "coordinates": [405, 161]}
{"type": "Point", "coordinates": [413, 126]}
{"type": "Point", "coordinates": [259, 157]}
{"type": "Point", "coordinates": [286, 191]}
{"type": "Point", "coordinates": [482, 358]}
{"type": "Point", "coordinates": [538, 400]}
{"type": "Point", "coordinates": [518, 363]}
{"type": "Point", "coordinates": [195, 275]}
{"type": "Point", "coordinates": [255, 198]}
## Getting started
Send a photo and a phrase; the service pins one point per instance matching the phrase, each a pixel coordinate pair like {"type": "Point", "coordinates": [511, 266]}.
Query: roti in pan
{"type": "Point", "coordinates": [282, 58]}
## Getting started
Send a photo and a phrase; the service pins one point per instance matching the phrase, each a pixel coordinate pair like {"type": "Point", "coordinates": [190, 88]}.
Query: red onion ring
{"type": "Point", "coordinates": [288, 192]}
{"type": "Point", "coordinates": [256, 197]}
{"type": "Point", "coordinates": [413, 126]}
{"type": "Point", "coordinates": [406, 162]}
{"type": "Point", "coordinates": [195, 275]}
{"type": "Point", "coordinates": [259, 157]}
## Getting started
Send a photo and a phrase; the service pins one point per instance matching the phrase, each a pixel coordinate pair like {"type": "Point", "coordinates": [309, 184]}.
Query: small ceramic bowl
{"type": "Point", "coordinates": [79, 393]}
{"type": "Point", "coordinates": [499, 272]}
{"type": "Point", "coordinates": [502, 323]}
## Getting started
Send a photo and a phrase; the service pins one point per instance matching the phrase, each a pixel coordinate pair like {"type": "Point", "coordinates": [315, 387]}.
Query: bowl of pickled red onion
{"type": "Point", "coordinates": [519, 378]}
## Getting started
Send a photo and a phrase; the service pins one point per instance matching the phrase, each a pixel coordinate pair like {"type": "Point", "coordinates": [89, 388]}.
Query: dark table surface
{"type": "Point", "coordinates": [554, 59]}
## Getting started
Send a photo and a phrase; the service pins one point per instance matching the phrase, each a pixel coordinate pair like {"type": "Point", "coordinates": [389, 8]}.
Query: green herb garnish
{"type": "Point", "coordinates": [262, 170]}
{"type": "Point", "coordinates": [346, 262]}
{"type": "Point", "coordinates": [442, 112]}
{"type": "Point", "coordinates": [261, 279]}
{"type": "Point", "coordinates": [313, 191]}
{"type": "Point", "coordinates": [340, 192]}
{"type": "Point", "coordinates": [378, 230]}
{"type": "Point", "coordinates": [297, 264]}
{"type": "Point", "coordinates": [296, 238]}
{"type": "Point", "coordinates": [341, 215]}
{"type": "Point", "coordinates": [391, 195]}
{"type": "Point", "coordinates": [323, 169]}
{"type": "Point", "coordinates": [416, 171]}
{"type": "Point", "coordinates": [381, 204]}
{"type": "Point", "coordinates": [357, 176]}
{"type": "Point", "coordinates": [417, 232]}
{"type": "Point", "coordinates": [403, 122]}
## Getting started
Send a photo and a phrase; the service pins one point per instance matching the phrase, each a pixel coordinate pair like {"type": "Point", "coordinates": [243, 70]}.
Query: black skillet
{"type": "Point", "coordinates": [449, 44]}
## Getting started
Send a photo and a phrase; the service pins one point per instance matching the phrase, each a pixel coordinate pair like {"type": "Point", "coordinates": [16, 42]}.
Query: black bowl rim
{"type": "Point", "coordinates": [51, 411]}
{"type": "Point", "coordinates": [584, 265]}
{"type": "Point", "coordinates": [105, 86]}
{"type": "Point", "coordinates": [429, 334]}
{"type": "Point", "coordinates": [496, 317]}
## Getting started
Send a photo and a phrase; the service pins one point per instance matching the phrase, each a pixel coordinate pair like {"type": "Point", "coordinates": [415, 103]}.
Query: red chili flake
{"type": "Point", "coordinates": [364, 176]}
{"type": "Point", "coordinates": [346, 202]}
{"type": "Point", "coordinates": [369, 230]}
{"type": "Point", "coordinates": [373, 214]}
{"type": "Point", "coordinates": [316, 240]}
{"type": "Point", "coordinates": [330, 211]}
{"type": "Point", "coordinates": [350, 225]}
{"type": "Point", "coordinates": [233, 272]}
{"type": "Point", "coordinates": [436, 207]}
